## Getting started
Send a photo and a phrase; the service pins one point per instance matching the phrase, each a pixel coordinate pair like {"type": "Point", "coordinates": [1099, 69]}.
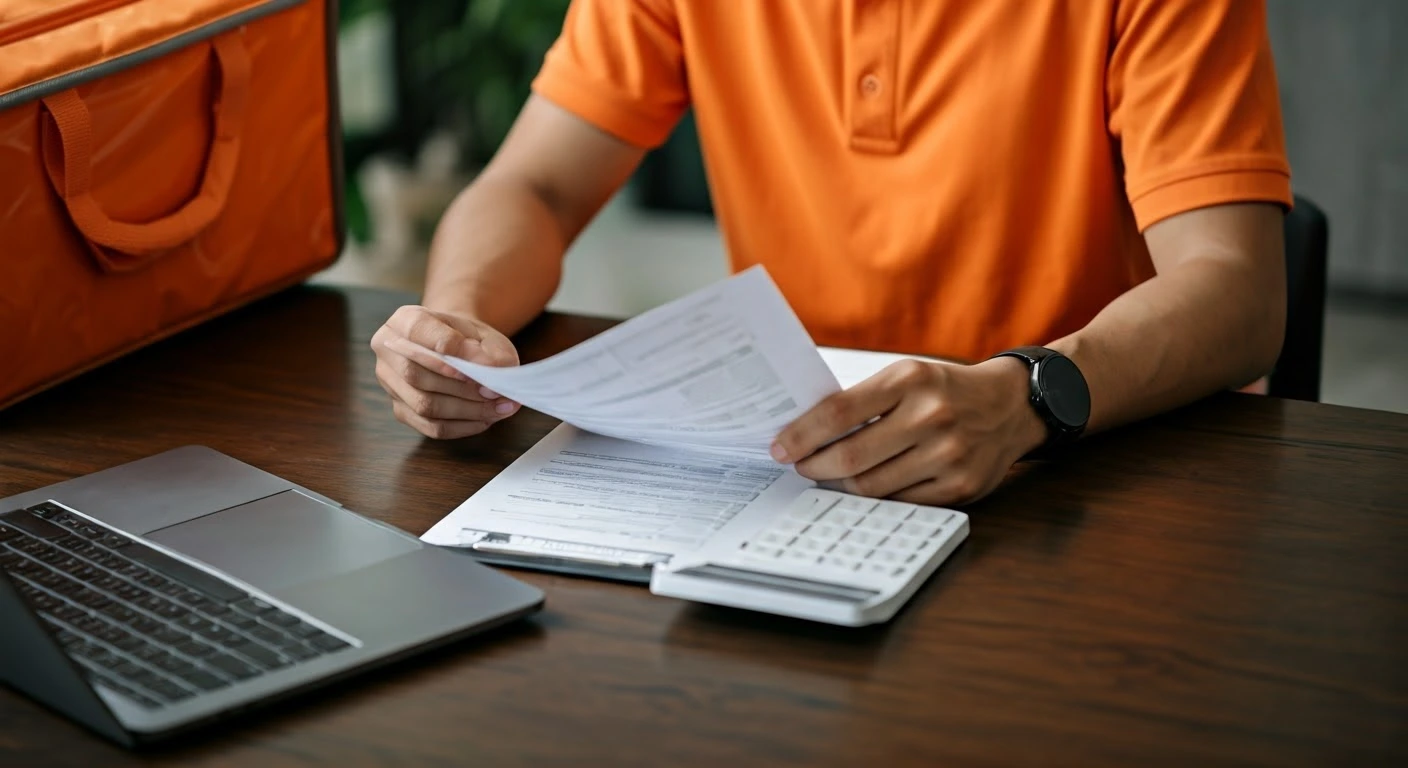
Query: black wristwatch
{"type": "Point", "coordinates": [1059, 395]}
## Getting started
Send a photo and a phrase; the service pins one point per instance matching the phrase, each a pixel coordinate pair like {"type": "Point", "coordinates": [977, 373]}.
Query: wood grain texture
{"type": "Point", "coordinates": [1227, 584]}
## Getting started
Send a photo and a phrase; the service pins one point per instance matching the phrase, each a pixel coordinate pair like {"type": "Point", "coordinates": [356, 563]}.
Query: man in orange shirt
{"type": "Point", "coordinates": [954, 178]}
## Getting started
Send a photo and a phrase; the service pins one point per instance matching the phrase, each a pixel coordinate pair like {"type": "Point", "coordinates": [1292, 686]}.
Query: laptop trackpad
{"type": "Point", "coordinates": [283, 540]}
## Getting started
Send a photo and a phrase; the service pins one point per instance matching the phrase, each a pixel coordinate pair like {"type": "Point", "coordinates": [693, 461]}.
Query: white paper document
{"type": "Point", "coordinates": [852, 366]}
{"type": "Point", "coordinates": [725, 368]}
{"type": "Point", "coordinates": [584, 494]}
{"type": "Point", "coordinates": [669, 417]}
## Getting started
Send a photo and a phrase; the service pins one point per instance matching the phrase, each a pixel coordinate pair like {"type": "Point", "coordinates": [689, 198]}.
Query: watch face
{"type": "Point", "coordinates": [1064, 390]}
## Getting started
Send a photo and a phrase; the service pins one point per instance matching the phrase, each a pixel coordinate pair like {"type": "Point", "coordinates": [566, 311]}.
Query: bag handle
{"type": "Point", "coordinates": [68, 158]}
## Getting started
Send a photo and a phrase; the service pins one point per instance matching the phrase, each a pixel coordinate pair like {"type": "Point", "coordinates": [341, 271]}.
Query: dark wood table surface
{"type": "Point", "coordinates": [1227, 584]}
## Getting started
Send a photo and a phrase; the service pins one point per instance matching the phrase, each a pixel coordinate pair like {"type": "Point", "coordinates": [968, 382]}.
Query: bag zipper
{"type": "Point", "coordinates": [54, 17]}
{"type": "Point", "coordinates": [95, 71]}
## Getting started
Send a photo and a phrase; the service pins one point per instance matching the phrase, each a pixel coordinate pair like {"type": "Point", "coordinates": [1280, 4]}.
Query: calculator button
{"type": "Point", "coordinates": [839, 563]}
{"type": "Point", "coordinates": [843, 518]}
{"type": "Point", "coordinates": [855, 504]}
{"type": "Point", "coordinates": [905, 543]}
{"type": "Point", "coordinates": [863, 538]}
{"type": "Point", "coordinates": [756, 551]}
{"type": "Point", "coordinates": [808, 510]}
{"type": "Point", "coordinates": [890, 556]}
{"type": "Point", "coordinates": [798, 557]}
{"type": "Point", "coordinates": [931, 516]}
{"type": "Point", "coordinates": [814, 546]}
{"type": "Point", "coordinates": [893, 511]}
{"type": "Point", "coordinates": [918, 530]}
{"type": "Point", "coordinates": [878, 525]}
{"type": "Point", "coordinates": [774, 539]}
{"type": "Point", "coordinates": [853, 551]}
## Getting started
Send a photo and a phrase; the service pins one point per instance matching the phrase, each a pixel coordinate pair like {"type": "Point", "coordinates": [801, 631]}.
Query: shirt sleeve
{"type": "Point", "coordinates": [619, 65]}
{"type": "Point", "coordinates": [1192, 101]}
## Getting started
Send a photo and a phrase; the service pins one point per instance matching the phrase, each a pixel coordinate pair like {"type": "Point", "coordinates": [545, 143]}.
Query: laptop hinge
{"type": "Point", "coordinates": [32, 662]}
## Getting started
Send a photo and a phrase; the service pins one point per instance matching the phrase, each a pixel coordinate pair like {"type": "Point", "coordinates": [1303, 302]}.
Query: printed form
{"type": "Point", "coordinates": [668, 418]}
{"type": "Point", "coordinates": [724, 368]}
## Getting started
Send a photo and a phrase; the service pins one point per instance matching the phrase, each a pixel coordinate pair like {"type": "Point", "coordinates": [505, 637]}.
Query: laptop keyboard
{"type": "Point", "coordinates": [140, 622]}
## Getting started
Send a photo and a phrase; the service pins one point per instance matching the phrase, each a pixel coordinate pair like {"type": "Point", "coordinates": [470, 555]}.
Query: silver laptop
{"type": "Point", "coordinates": [164, 594]}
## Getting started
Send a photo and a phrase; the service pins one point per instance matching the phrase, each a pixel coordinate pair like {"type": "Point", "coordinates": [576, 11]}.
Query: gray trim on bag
{"type": "Point", "coordinates": [80, 76]}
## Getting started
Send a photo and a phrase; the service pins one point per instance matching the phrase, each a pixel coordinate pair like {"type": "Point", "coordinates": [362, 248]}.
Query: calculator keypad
{"type": "Point", "coordinates": [844, 534]}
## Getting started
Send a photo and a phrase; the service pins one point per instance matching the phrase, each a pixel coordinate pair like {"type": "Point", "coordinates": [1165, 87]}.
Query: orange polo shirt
{"type": "Point", "coordinates": [947, 177]}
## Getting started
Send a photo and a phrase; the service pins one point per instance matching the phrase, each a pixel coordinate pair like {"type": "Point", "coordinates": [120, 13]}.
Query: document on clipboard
{"type": "Point", "coordinates": [667, 419]}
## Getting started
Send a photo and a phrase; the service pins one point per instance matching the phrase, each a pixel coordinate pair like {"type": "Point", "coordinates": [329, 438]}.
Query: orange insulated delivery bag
{"type": "Point", "coordinates": [161, 162]}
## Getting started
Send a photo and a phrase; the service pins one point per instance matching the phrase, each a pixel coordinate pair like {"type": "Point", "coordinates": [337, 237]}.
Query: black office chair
{"type": "Point", "coordinates": [1297, 372]}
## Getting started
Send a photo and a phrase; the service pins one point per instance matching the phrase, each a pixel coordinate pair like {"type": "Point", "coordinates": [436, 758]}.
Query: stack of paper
{"type": "Point", "coordinates": [669, 417]}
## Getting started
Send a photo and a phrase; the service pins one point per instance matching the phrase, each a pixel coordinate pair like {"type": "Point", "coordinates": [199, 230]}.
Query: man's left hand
{"type": "Point", "coordinates": [933, 433]}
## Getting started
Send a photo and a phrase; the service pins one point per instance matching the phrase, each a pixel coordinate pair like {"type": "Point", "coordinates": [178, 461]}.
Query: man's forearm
{"type": "Point", "coordinates": [496, 255]}
{"type": "Point", "coordinates": [1207, 324]}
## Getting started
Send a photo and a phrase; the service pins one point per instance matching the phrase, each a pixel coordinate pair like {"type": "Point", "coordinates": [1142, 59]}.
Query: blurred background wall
{"type": "Point", "coordinates": [429, 89]}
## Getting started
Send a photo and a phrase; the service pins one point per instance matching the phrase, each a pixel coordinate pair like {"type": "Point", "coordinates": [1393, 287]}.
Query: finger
{"type": "Point", "coordinates": [424, 357]}
{"type": "Point", "coordinates": [862, 450]}
{"type": "Point", "coordinates": [435, 406]}
{"type": "Point", "coordinates": [420, 326]}
{"type": "Point", "coordinates": [391, 364]}
{"type": "Point", "coordinates": [945, 492]}
{"type": "Point", "coordinates": [834, 417]}
{"type": "Point", "coordinates": [896, 474]}
{"type": "Point", "coordinates": [440, 430]}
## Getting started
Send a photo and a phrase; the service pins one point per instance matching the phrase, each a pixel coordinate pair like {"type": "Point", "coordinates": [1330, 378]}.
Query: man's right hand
{"type": "Point", "coordinates": [428, 395]}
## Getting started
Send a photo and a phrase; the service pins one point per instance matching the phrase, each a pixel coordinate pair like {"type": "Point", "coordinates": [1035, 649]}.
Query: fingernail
{"type": "Point", "coordinates": [506, 407]}
{"type": "Point", "coordinates": [779, 454]}
{"type": "Point", "coordinates": [488, 394]}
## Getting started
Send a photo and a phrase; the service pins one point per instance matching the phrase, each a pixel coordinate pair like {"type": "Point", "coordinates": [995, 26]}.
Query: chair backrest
{"type": "Point", "coordinates": [1297, 373]}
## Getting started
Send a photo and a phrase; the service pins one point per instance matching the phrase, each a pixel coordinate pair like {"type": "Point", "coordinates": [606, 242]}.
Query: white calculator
{"type": "Point", "coordinates": [831, 557]}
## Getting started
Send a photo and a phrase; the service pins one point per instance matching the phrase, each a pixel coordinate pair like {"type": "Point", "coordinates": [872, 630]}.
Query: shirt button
{"type": "Point", "coordinates": [870, 85]}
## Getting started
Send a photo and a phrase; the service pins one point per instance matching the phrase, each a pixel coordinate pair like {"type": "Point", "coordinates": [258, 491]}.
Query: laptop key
{"type": "Point", "coordinates": [32, 525]}
{"type": "Point", "coordinates": [7, 533]}
{"type": "Point", "coordinates": [72, 542]}
{"type": "Point", "coordinates": [266, 634]}
{"type": "Point", "coordinates": [304, 629]}
{"type": "Point", "coordinates": [92, 551]}
{"type": "Point", "coordinates": [171, 611]}
{"type": "Point", "coordinates": [326, 642]}
{"type": "Point", "coordinates": [89, 531]}
{"type": "Point", "coordinates": [46, 509]}
{"type": "Point", "coordinates": [127, 669]}
{"type": "Point", "coordinates": [114, 541]}
{"type": "Point", "coordinates": [146, 626]}
{"type": "Point", "coordinates": [173, 664]}
{"type": "Point", "coordinates": [52, 556]}
{"type": "Point", "coordinates": [130, 643]}
{"type": "Point", "coordinates": [254, 606]}
{"type": "Point", "coordinates": [195, 649]}
{"type": "Point", "coordinates": [281, 619]}
{"type": "Point", "coordinates": [203, 680]}
{"type": "Point", "coordinates": [299, 652]}
{"type": "Point", "coordinates": [91, 599]}
{"type": "Point", "coordinates": [170, 636]}
{"type": "Point", "coordinates": [120, 612]}
{"type": "Point", "coordinates": [232, 666]}
{"type": "Point", "coordinates": [239, 620]}
{"type": "Point", "coordinates": [261, 655]}
{"type": "Point", "coordinates": [169, 691]}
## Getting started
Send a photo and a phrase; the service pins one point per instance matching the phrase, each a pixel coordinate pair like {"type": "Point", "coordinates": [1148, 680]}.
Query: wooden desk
{"type": "Point", "coordinates": [1228, 584]}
